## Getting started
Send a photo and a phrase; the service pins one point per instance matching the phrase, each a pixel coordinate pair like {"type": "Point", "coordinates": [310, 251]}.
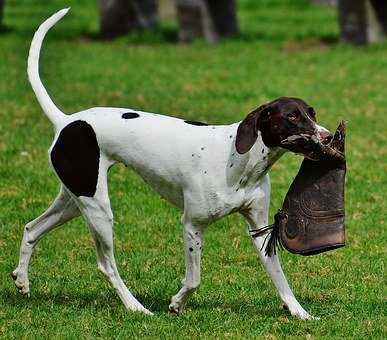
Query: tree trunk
{"type": "Point", "coordinates": [223, 14]}
{"type": "Point", "coordinates": [1, 11]}
{"type": "Point", "coordinates": [378, 20]}
{"type": "Point", "coordinates": [189, 17]}
{"type": "Point", "coordinates": [212, 19]}
{"type": "Point", "coordinates": [146, 12]}
{"type": "Point", "coordinates": [353, 22]}
{"type": "Point", "coordinates": [362, 21]}
{"type": "Point", "coordinates": [118, 17]}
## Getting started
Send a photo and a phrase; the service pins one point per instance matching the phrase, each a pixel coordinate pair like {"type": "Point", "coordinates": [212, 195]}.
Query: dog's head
{"type": "Point", "coordinates": [289, 123]}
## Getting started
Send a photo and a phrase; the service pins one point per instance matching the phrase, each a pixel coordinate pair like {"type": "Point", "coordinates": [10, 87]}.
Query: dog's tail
{"type": "Point", "coordinates": [55, 115]}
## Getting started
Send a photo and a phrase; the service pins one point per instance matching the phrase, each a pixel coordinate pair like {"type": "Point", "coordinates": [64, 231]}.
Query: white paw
{"type": "Point", "coordinates": [139, 309]}
{"type": "Point", "coordinates": [146, 311]}
{"type": "Point", "coordinates": [303, 314]}
{"type": "Point", "coordinates": [175, 307]}
{"type": "Point", "coordinates": [22, 284]}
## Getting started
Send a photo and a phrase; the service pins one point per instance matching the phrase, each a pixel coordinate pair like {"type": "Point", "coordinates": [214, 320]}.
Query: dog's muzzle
{"type": "Point", "coordinates": [314, 147]}
{"type": "Point", "coordinates": [311, 220]}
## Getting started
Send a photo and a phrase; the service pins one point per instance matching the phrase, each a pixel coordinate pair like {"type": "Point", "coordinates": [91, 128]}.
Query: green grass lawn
{"type": "Point", "coordinates": [284, 49]}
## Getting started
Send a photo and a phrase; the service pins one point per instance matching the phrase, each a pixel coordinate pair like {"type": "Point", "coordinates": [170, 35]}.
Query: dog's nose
{"type": "Point", "coordinates": [324, 135]}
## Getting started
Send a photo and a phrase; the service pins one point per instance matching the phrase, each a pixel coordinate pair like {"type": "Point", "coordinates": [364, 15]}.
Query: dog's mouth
{"type": "Point", "coordinates": [313, 148]}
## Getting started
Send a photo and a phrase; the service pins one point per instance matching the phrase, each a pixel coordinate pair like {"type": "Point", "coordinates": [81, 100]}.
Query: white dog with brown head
{"type": "Point", "coordinates": [208, 171]}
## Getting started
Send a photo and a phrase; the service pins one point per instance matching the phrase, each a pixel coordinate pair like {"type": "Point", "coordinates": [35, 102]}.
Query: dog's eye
{"type": "Point", "coordinates": [293, 116]}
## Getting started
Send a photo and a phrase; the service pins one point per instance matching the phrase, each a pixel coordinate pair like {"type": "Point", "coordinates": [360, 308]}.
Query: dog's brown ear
{"type": "Point", "coordinates": [248, 131]}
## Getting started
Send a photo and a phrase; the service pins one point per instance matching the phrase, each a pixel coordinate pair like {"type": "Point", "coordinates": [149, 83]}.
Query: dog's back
{"type": "Point", "coordinates": [172, 155]}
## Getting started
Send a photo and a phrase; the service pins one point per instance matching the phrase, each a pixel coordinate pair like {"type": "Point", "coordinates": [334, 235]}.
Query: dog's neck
{"type": "Point", "coordinates": [262, 166]}
{"type": "Point", "coordinates": [257, 162]}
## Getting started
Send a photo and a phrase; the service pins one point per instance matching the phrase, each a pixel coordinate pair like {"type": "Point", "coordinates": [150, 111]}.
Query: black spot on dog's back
{"type": "Point", "coordinates": [75, 158]}
{"type": "Point", "coordinates": [195, 123]}
{"type": "Point", "coordinates": [130, 115]}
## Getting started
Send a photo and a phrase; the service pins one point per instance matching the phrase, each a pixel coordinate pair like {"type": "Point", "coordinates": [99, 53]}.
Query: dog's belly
{"type": "Point", "coordinates": [171, 192]}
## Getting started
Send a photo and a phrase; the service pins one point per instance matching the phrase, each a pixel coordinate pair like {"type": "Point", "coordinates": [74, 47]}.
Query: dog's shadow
{"type": "Point", "coordinates": [83, 300]}
{"type": "Point", "coordinates": [156, 302]}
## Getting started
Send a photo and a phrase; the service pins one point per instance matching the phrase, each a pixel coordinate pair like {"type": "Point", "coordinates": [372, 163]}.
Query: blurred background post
{"type": "Point", "coordinates": [362, 21]}
{"type": "Point", "coordinates": [210, 19]}
{"type": "Point", "coordinates": [1, 11]}
{"type": "Point", "coordinates": [119, 17]}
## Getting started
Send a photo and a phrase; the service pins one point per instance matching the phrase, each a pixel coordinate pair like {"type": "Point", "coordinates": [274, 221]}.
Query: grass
{"type": "Point", "coordinates": [285, 48]}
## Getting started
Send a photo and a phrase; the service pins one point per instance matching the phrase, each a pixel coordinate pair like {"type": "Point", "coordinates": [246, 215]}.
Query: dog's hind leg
{"type": "Point", "coordinates": [62, 210]}
{"type": "Point", "coordinates": [99, 217]}
{"type": "Point", "coordinates": [257, 218]}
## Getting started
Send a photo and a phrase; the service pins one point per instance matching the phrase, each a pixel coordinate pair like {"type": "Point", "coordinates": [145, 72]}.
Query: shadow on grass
{"type": "Point", "coordinates": [158, 302]}
{"type": "Point", "coordinates": [84, 300]}
{"type": "Point", "coordinates": [240, 307]}
{"type": "Point", "coordinates": [156, 36]}
{"type": "Point", "coordinates": [322, 43]}
{"type": "Point", "coordinates": [6, 29]}
{"type": "Point", "coordinates": [154, 302]}
{"type": "Point", "coordinates": [255, 36]}
{"type": "Point", "coordinates": [168, 35]}
{"type": "Point", "coordinates": [269, 307]}
{"type": "Point", "coordinates": [41, 299]}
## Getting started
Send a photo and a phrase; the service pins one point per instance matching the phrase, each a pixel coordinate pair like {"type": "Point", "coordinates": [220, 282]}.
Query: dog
{"type": "Point", "coordinates": [207, 171]}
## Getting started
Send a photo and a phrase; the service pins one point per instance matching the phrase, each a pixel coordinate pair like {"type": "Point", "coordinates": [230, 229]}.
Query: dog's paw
{"type": "Point", "coordinates": [175, 308]}
{"type": "Point", "coordinates": [135, 306]}
{"type": "Point", "coordinates": [303, 315]}
{"type": "Point", "coordinates": [21, 283]}
{"type": "Point", "coordinates": [146, 311]}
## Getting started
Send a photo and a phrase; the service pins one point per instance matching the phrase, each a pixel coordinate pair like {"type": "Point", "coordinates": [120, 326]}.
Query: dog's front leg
{"type": "Point", "coordinates": [257, 217]}
{"type": "Point", "coordinates": [192, 235]}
